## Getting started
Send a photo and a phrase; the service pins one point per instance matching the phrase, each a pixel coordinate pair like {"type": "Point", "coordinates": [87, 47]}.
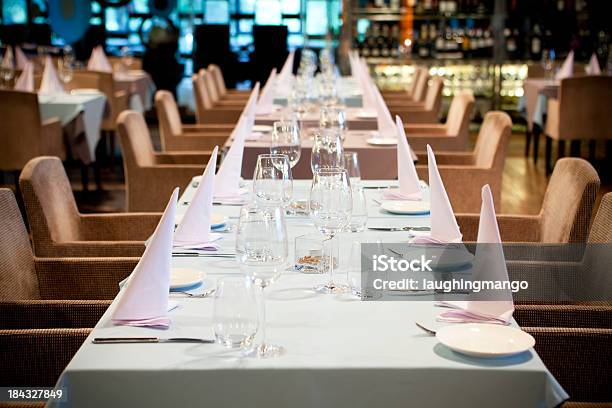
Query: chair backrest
{"type": "Point", "coordinates": [20, 129]}
{"type": "Point", "coordinates": [585, 107]}
{"type": "Point", "coordinates": [433, 98]}
{"type": "Point", "coordinates": [18, 279]}
{"type": "Point", "coordinates": [568, 202]}
{"type": "Point", "coordinates": [135, 140]}
{"type": "Point", "coordinates": [493, 139]}
{"type": "Point", "coordinates": [106, 85]}
{"type": "Point", "coordinates": [202, 99]}
{"type": "Point", "coordinates": [52, 211]}
{"type": "Point", "coordinates": [460, 114]}
{"type": "Point", "coordinates": [211, 86]}
{"type": "Point", "coordinates": [219, 80]}
{"type": "Point", "coordinates": [421, 86]}
{"type": "Point", "coordinates": [135, 63]}
{"type": "Point", "coordinates": [168, 115]}
{"type": "Point", "coordinates": [84, 79]}
{"type": "Point", "coordinates": [418, 71]}
{"type": "Point", "coordinates": [601, 230]}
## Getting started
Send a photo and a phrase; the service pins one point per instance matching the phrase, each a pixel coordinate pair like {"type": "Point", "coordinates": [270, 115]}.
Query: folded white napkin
{"type": "Point", "coordinates": [409, 184]}
{"type": "Point", "coordinates": [254, 136]}
{"type": "Point", "coordinates": [593, 68]}
{"type": "Point", "coordinates": [444, 228]}
{"type": "Point", "coordinates": [20, 58]}
{"type": "Point", "coordinates": [8, 62]}
{"type": "Point", "coordinates": [25, 82]}
{"type": "Point", "coordinates": [227, 180]}
{"type": "Point", "coordinates": [286, 73]}
{"type": "Point", "coordinates": [193, 232]}
{"type": "Point", "coordinates": [50, 83]}
{"type": "Point", "coordinates": [251, 106]}
{"type": "Point", "coordinates": [567, 69]}
{"type": "Point", "coordinates": [265, 105]}
{"type": "Point", "coordinates": [365, 83]}
{"type": "Point", "coordinates": [386, 127]}
{"type": "Point", "coordinates": [144, 301]}
{"type": "Point", "coordinates": [489, 265]}
{"type": "Point", "coordinates": [98, 61]}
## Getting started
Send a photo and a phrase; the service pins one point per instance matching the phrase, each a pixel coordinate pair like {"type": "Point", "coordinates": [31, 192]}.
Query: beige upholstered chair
{"type": "Point", "coordinates": [215, 97]}
{"type": "Point", "coordinates": [26, 278]}
{"type": "Point", "coordinates": [417, 87]}
{"type": "Point", "coordinates": [206, 111]}
{"type": "Point", "coordinates": [224, 93]}
{"type": "Point", "coordinates": [118, 62]}
{"type": "Point", "coordinates": [450, 136]}
{"type": "Point", "coordinates": [22, 135]}
{"type": "Point", "coordinates": [151, 177]}
{"type": "Point", "coordinates": [118, 101]}
{"type": "Point", "coordinates": [464, 174]}
{"type": "Point", "coordinates": [59, 230]}
{"type": "Point", "coordinates": [582, 112]}
{"type": "Point", "coordinates": [176, 136]}
{"type": "Point", "coordinates": [427, 111]}
{"type": "Point", "coordinates": [565, 214]}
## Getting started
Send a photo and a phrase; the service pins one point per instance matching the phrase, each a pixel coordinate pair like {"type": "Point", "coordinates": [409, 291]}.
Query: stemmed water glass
{"type": "Point", "coordinates": [327, 150]}
{"type": "Point", "coordinates": [272, 180]}
{"type": "Point", "coordinates": [286, 140]}
{"type": "Point", "coordinates": [65, 70]}
{"type": "Point", "coordinates": [333, 117]}
{"type": "Point", "coordinates": [330, 209]}
{"type": "Point", "coordinates": [359, 215]}
{"type": "Point", "coordinates": [548, 63]}
{"type": "Point", "coordinates": [262, 252]}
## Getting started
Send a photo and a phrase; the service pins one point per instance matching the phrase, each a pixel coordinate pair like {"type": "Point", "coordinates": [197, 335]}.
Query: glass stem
{"type": "Point", "coordinates": [331, 262]}
{"type": "Point", "coordinates": [262, 315]}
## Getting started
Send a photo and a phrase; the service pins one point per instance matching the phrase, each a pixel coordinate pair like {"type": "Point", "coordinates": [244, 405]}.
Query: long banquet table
{"type": "Point", "coordinates": [340, 352]}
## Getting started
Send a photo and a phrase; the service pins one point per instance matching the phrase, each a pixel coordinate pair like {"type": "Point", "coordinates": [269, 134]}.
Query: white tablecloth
{"type": "Point", "coordinates": [66, 107]}
{"type": "Point", "coordinates": [140, 87]}
{"type": "Point", "coordinates": [340, 352]}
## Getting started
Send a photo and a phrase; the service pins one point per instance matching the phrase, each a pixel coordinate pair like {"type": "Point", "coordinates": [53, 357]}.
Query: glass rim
{"type": "Point", "coordinates": [272, 156]}
{"type": "Point", "coordinates": [330, 170]}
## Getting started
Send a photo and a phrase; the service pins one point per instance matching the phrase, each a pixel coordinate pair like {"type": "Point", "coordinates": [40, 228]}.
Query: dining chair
{"type": "Point", "coordinates": [135, 63]}
{"type": "Point", "coordinates": [211, 87]}
{"type": "Point", "coordinates": [427, 111]}
{"type": "Point", "coordinates": [224, 93]}
{"type": "Point", "coordinates": [59, 229]}
{"type": "Point", "coordinates": [206, 111]}
{"type": "Point", "coordinates": [580, 113]}
{"type": "Point", "coordinates": [178, 137]}
{"type": "Point", "coordinates": [150, 177]}
{"type": "Point", "coordinates": [565, 213]}
{"type": "Point", "coordinates": [410, 92]}
{"type": "Point", "coordinates": [464, 174]}
{"type": "Point", "coordinates": [453, 135]}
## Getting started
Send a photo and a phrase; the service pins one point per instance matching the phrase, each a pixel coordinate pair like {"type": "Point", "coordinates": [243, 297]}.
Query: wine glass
{"type": "Point", "coordinates": [330, 209]}
{"type": "Point", "coordinates": [262, 251]}
{"type": "Point", "coordinates": [327, 150]}
{"type": "Point", "coordinates": [65, 71]}
{"type": "Point", "coordinates": [333, 117]}
{"type": "Point", "coordinates": [235, 312]}
{"type": "Point", "coordinates": [359, 215]}
{"type": "Point", "coordinates": [272, 181]}
{"type": "Point", "coordinates": [286, 140]}
{"type": "Point", "coordinates": [548, 62]}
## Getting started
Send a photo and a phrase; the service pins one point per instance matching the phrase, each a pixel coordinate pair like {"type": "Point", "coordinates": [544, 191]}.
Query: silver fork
{"type": "Point", "coordinates": [204, 294]}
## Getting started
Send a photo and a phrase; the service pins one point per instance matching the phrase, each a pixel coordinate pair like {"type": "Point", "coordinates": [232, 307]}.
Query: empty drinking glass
{"type": "Point", "coordinates": [235, 319]}
{"type": "Point", "coordinates": [333, 117]}
{"type": "Point", "coordinates": [286, 140]}
{"type": "Point", "coordinates": [327, 150]}
{"type": "Point", "coordinates": [351, 164]}
{"type": "Point", "coordinates": [272, 181]}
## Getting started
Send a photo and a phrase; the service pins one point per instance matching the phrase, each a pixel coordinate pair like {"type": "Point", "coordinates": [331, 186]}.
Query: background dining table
{"type": "Point", "coordinates": [340, 351]}
{"type": "Point", "coordinates": [535, 97]}
{"type": "Point", "coordinates": [139, 85]}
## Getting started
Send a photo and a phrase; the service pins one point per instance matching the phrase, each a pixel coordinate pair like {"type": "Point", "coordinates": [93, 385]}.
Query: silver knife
{"type": "Point", "coordinates": [408, 228]}
{"type": "Point", "coordinates": [123, 340]}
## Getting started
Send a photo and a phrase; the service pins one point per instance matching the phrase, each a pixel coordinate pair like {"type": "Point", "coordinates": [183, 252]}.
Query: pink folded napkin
{"type": "Point", "coordinates": [20, 58]}
{"type": "Point", "coordinates": [25, 82]}
{"type": "Point", "coordinates": [98, 61]}
{"type": "Point", "coordinates": [227, 180]}
{"type": "Point", "coordinates": [593, 68]}
{"type": "Point", "coordinates": [286, 73]}
{"type": "Point", "coordinates": [489, 265]}
{"type": "Point", "coordinates": [365, 83]}
{"type": "Point", "coordinates": [193, 232]}
{"type": "Point", "coordinates": [386, 126]}
{"type": "Point", "coordinates": [567, 69]}
{"type": "Point", "coordinates": [144, 300]}
{"type": "Point", "coordinates": [50, 83]}
{"type": "Point", "coordinates": [409, 184]}
{"type": "Point", "coordinates": [8, 62]}
{"type": "Point", "coordinates": [444, 228]}
{"type": "Point", "coordinates": [265, 105]}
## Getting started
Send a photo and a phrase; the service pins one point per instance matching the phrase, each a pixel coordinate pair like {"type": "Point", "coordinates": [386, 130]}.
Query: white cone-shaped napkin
{"type": "Point", "coordinates": [144, 300]}
{"type": "Point", "coordinates": [444, 228]}
{"type": "Point", "coordinates": [489, 265]}
{"type": "Point", "coordinates": [50, 83]}
{"type": "Point", "coordinates": [249, 113]}
{"type": "Point", "coordinates": [227, 180]}
{"type": "Point", "coordinates": [286, 73]}
{"type": "Point", "coordinates": [386, 127]}
{"type": "Point", "coordinates": [409, 185]}
{"type": "Point", "coordinates": [593, 68]}
{"type": "Point", "coordinates": [265, 105]}
{"type": "Point", "coordinates": [194, 230]}
{"type": "Point", "coordinates": [368, 97]}
{"type": "Point", "coordinates": [567, 69]}
{"type": "Point", "coordinates": [98, 61]}
{"type": "Point", "coordinates": [20, 58]}
{"type": "Point", "coordinates": [8, 62]}
{"type": "Point", "coordinates": [25, 82]}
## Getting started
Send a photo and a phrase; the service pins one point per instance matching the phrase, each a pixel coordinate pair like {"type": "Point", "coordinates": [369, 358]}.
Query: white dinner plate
{"type": "Point", "coordinates": [485, 340]}
{"type": "Point", "coordinates": [181, 278]}
{"type": "Point", "coordinates": [382, 141]}
{"type": "Point", "coordinates": [84, 91]}
{"type": "Point", "coordinates": [365, 114]}
{"type": "Point", "coordinates": [262, 128]}
{"type": "Point", "coordinates": [216, 220]}
{"type": "Point", "coordinates": [405, 207]}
